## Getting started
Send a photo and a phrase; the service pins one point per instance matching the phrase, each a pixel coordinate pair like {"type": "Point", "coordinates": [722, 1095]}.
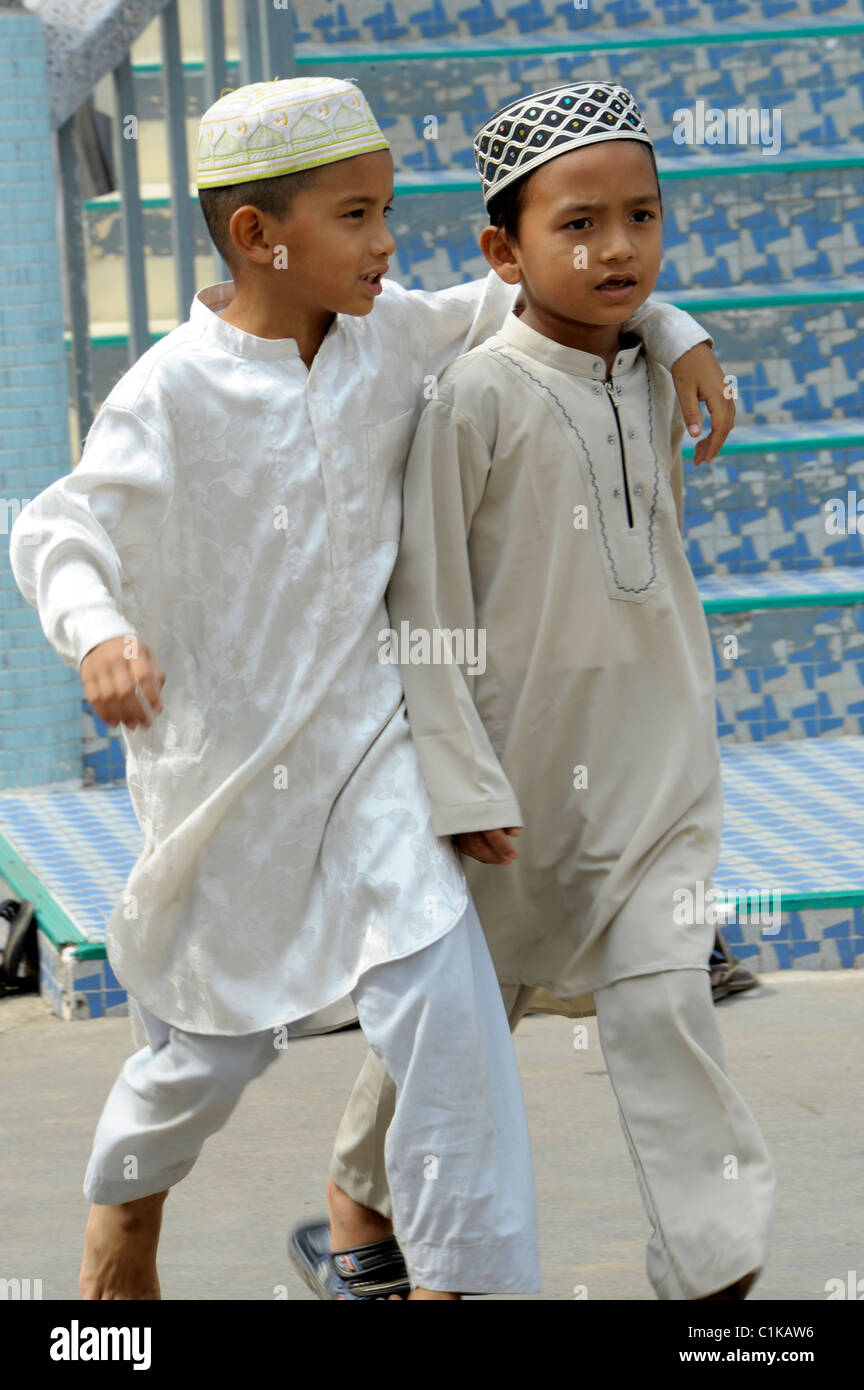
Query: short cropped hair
{"type": "Point", "coordinates": [273, 196]}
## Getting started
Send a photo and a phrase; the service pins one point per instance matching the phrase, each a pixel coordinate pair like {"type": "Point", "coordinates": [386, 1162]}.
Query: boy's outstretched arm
{"type": "Point", "coordinates": [75, 545]}
{"type": "Point", "coordinates": [442, 324]}
{"type": "Point", "coordinates": [674, 338]}
{"type": "Point", "coordinates": [431, 590]}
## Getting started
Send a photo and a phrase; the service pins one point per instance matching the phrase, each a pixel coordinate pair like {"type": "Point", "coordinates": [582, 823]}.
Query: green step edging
{"type": "Point", "coordinates": [115, 340]}
{"type": "Point", "coordinates": [702, 302]}
{"type": "Point", "coordinates": [596, 41]}
{"type": "Point", "coordinates": [824, 901]}
{"type": "Point", "coordinates": [811, 600]}
{"type": "Point", "coordinates": [800, 443]}
{"type": "Point", "coordinates": [426, 183]}
{"type": "Point", "coordinates": [588, 41]}
{"type": "Point", "coordinates": [669, 169]}
{"type": "Point", "coordinates": [53, 921]}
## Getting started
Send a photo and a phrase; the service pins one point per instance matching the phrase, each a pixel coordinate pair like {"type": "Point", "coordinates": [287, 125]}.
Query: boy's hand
{"type": "Point", "coordinates": [110, 672]}
{"type": "Point", "coordinates": [698, 376]}
{"type": "Point", "coordinates": [489, 846]}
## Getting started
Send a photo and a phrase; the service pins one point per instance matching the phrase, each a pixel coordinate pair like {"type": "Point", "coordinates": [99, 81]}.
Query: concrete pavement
{"type": "Point", "coordinates": [794, 1048]}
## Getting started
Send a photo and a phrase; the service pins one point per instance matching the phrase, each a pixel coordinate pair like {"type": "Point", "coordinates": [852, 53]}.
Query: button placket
{"type": "Point", "coordinates": [629, 552]}
{"type": "Point", "coordinates": [631, 432]}
{"type": "Point", "coordinates": [637, 489]}
{"type": "Point", "coordinates": [329, 447]}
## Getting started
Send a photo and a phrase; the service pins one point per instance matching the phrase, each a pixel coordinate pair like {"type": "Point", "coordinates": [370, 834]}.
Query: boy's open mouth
{"type": "Point", "coordinates": [372, 280]}
{"type": "Point", "coordinates": [616, 287]}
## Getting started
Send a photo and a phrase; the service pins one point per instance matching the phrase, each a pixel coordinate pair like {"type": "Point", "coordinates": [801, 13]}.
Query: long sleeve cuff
{"type": "Point", "coordinates": [87, 627]}
{"type": "Point", "coordinates": [475, 815]}
{"type": "Point", "coordinates": [667, 331]}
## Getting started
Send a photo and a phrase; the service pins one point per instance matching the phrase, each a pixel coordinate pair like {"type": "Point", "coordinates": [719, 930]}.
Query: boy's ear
{"type": "Point", "coordinates": [496, 248]}
{"type": "Point", "coordinates": [249, 234]}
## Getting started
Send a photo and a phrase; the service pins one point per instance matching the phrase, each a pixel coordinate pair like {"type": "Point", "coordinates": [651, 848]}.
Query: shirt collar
{"type": "Point", "coordinates": [566, 359]}
{"type": "Point", "coordinates": [204, 316]}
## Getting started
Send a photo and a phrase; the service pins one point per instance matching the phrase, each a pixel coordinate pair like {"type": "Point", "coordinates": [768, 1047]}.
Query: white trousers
{"type": "Point", "coordinates": [457, 1153]}
{"type": "Point", "coordinates": [705, 1175]}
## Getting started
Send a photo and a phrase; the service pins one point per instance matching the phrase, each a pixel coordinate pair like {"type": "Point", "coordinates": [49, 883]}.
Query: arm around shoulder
{"type": "Point", "coordinates": [667, 331]}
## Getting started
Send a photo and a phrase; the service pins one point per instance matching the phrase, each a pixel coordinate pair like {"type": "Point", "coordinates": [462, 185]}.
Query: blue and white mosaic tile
{"type": "Point", "coordinates": [791, 823]}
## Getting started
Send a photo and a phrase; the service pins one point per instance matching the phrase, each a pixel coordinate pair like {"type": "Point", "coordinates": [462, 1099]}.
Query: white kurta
{"type": "Point", "coordinates": [242, 514]}
{"type": "Point", "coordinates": [593, 723]}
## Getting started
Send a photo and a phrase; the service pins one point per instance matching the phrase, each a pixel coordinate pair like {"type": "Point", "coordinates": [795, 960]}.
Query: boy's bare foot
{"type": "Point", "coordinates": [120, 1250]}
{"type": "Point", "coordinates": [351, 1224]}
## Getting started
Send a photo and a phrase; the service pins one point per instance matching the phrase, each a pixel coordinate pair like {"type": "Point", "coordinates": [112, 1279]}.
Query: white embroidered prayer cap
{"type": "Point", "coordinates": [273, 128]}
{"type": "Point", "coordinates": [533, 129]}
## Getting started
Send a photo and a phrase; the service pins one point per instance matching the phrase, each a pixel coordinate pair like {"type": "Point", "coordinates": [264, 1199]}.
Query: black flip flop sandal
{"type": "Point", "coordinates": [369, 1271]}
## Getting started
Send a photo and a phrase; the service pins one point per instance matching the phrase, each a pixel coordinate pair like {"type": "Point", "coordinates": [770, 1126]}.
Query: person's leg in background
{"type": "Point", "coordinates": [169, 1096]}
{"type": "Point", "coordinates": [456, 1152]}
{"type": "Point", "coordinates": [705, 1175]}
{"type": "Point", "coordinates": [357, 1191]}
{"type": "Point", "coordinates": [728, 975]}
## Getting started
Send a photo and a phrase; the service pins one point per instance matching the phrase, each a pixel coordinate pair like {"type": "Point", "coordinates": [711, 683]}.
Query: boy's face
{"type": "Point", "coordinates": [587, 215]}
{"type": "Point", "coordinates": [331, 249]}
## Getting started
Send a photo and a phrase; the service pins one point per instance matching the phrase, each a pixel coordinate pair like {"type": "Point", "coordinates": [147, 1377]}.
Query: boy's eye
{"type": "Point", "coordinates": [358, 212]}
{"type": "Point", "coordinates": [644, 212]}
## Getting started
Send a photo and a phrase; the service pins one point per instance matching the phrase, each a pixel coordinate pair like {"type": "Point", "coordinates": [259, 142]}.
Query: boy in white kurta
{"type": "Point", "coordinates": [237, 511]}
{"type": "Point", "coordinates": [542, 529]}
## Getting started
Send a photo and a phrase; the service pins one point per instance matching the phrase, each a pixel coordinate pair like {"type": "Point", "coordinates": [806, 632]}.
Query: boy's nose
{"type": "Point", "coordinates": [618, 253]}
{"type": "Point", "coordinates": [384, 245]}
{"type": "Point", "coordinates": [381, 241]}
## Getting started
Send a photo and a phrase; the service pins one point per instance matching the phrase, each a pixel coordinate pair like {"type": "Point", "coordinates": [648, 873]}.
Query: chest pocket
{"type": "Point", "coordinates": [387, 449]}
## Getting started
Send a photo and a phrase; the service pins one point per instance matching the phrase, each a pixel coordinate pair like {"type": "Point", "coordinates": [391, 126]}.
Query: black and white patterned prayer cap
{"type": "Point", "coordinates": [527, 132]}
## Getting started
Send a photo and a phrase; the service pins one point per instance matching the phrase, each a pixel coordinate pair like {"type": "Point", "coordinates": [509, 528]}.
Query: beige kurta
{"type": "Point", "coordinates": [530, 515]}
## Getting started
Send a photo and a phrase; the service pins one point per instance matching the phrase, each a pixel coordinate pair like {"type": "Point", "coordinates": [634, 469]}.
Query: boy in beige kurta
{"type": "Point", "coordinates": [572, 694]}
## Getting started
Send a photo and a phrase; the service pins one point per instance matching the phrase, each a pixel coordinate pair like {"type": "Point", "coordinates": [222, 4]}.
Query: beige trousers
{"type": "Point", "coordinates": [705, 1175]}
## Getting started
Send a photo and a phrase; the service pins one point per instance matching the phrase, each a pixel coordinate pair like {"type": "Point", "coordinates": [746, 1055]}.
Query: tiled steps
{"type": "Point", "coordinates": [581, 37]}
{"type": "Point", "coordinates": [758, 215]}
{"type": "Point", "coordinates": [581, 34]}
{"type": "Point", "coordinates": [737, 232]}
{"type": "Point", "coordinates": [807, 80]}
{"type": "Point", "coordinates": [793, 675]}
{"type": "Point", "coordinates": [777, 498]}
{"type": "Point", "coordinates": [488, 23]}
{"type": "Point", "coordinates": [386, 25]}
{"type": "Point", "coordinates": [791, 836]}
